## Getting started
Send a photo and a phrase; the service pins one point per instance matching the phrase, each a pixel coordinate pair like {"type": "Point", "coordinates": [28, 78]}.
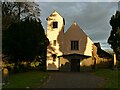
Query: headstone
{"type": "Point", "coordinates": [4, 75]}
{"type": "Point", "coordinates": [115, 59]}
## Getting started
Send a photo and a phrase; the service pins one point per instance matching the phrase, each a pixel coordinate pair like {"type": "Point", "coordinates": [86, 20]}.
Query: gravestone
{"type": "Point", "coordinates": [4, 75]}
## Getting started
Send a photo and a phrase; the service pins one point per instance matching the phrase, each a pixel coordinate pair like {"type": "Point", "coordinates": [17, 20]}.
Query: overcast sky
{"type": "Point", "coordinates": [92, 17]}
{"type": "Point", "coordinates": [74, 0]}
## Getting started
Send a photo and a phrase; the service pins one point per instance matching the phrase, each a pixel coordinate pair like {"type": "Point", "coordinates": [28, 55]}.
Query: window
{"type": "Point", "coordinates": [54, 42]}
{"type": "Point", "coordinates": [74, 45]}
{"type": "Point", "coordinates": [55, 24]}
{"type": "Point", "coordinates": [54, 57]}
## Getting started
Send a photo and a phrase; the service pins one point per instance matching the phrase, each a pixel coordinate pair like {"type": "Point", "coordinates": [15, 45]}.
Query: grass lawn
{"type": "Point", "coordinates": [27, 79]}
{"type": "Point", "coordinates": [111, 77]}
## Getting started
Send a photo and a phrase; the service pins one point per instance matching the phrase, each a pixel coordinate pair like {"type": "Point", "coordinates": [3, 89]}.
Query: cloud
{"type": "Point", "coordinates": [92, 17]}
{"type": "Point", "coordinates": [76, 0]}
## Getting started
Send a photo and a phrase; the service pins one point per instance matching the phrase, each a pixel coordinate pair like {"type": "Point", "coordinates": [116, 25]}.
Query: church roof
{"type": "Point", "coordinates": [58, 14]}
{"type": "Point", "coordinates": [74, 55]}
{"type": "Point", "coordinates": [101, 53]}
{"type": "Point", "coordinates": [75, 26]}
{"type": "Point", "coordinates": [52, 14]}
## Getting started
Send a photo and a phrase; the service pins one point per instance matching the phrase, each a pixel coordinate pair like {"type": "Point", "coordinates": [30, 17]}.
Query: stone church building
{"type": "Point", "coordinates": [70, 50]}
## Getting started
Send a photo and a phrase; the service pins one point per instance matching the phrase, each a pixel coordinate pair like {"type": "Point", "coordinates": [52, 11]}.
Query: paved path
{"type": "Point", "coordinates": [73, 80]}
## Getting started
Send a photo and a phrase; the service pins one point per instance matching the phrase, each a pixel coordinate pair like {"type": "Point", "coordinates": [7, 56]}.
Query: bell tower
{"type": "Point", "coordinates": [55, 34]}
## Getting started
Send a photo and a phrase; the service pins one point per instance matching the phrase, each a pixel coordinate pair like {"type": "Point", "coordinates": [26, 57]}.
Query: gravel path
{"type": "Point", "coordinates": [73, 80]}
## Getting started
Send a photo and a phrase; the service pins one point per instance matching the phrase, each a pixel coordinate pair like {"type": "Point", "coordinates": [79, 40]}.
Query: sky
{"type": "Point", "coordinates": [74, 0]}
{"type": "Point", "coordinates": [92, 17]}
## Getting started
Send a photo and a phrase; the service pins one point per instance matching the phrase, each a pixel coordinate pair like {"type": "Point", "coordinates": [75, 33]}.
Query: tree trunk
{"type": "Point", "coordinates": [16, 68]}
{"type": "Point", "coordinates": [44, 60]}
{"type": "Point", "coordinates": [19, 11]}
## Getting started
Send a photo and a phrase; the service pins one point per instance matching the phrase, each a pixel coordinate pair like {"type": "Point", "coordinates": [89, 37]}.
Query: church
{"type": "Point", "coordinates": [70, 50]}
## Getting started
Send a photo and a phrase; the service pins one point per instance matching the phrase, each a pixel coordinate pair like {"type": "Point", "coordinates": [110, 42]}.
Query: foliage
{"type": "Point", "coordinates": [114, 39]}
{"type": "Point", "coordinates": [14, 11]}
{"type": "Point", "coordinates": [23, 35]}
{"type": "Point", "coordinates": [24, 40]}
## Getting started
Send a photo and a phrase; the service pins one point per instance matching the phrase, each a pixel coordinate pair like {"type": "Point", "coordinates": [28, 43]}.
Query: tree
{"type": "Point", "coordinates": [114, 39]}
{"type": "Point", "coordinates": [24, 41]}
{"type": "Point", "coordinates": [22, 33]}
{"type": "Point", "coordinates": [15, 11]}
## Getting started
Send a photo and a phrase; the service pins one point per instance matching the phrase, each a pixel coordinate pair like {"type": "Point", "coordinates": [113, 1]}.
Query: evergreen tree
{"type": "Point", "coordinates": [24, 41]}
{"type": "Point", "coordinates": [114, 39]}
{"type": "Point", "coordinates": [23, 36]}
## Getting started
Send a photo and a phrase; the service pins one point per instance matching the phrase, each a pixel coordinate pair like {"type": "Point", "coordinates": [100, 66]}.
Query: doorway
{"type": "Point", "coordinates": [75, 65]}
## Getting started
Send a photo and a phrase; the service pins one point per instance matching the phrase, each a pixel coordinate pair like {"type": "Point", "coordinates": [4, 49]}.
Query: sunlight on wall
{"type": "Point", "coordinates": [88, 50]}
{"type": "Point", "coordinates": [63, 42]}
{"type": "Point", "coordinates": [63, 61]}
{"type": "Point", "coordinates": [60, 44]}
{"type": "Point", "coordinates": [86, 62]}
{"type": "Point", "coordinates": [76, 33]}
{"type": "Point", "coordinates": [52, 65]}
{"type": "Point", "coordinates": [52, 34]}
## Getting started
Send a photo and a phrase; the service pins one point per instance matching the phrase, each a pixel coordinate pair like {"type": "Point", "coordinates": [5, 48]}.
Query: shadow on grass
{"type": "Point", "coordinates": [25, 80]}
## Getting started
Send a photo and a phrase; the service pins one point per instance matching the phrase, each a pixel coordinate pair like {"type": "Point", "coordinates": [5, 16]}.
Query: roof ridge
{"type": "Point", "coordinates": [76, 24]}
{"type": "Point", "coordinates": [56, 12]}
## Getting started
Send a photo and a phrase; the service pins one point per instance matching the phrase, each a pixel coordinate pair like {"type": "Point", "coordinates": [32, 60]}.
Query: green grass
{"type": "Point", "coordinates": [28, 79]}
{"type": "Point", "coordinates": [111, 77]}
